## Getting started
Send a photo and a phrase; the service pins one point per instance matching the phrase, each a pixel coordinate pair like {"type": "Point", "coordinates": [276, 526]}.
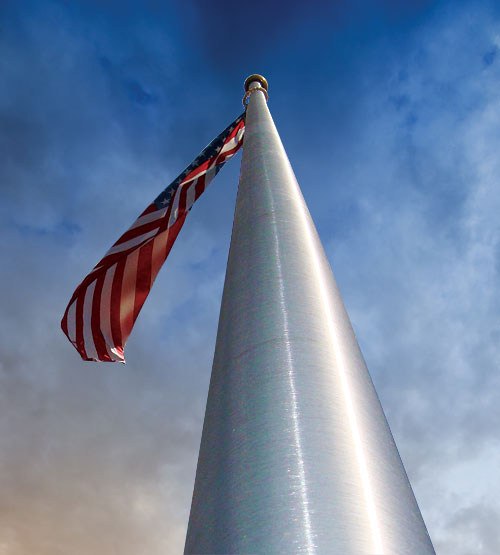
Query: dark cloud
{"type": "Point", "coordinates": [232, 32]}
{"type": "Point", "coordinates": [490, 56]}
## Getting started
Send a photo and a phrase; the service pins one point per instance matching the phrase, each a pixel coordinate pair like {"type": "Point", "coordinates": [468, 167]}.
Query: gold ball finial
{"type": "Point", "coordinates": [256, 77]}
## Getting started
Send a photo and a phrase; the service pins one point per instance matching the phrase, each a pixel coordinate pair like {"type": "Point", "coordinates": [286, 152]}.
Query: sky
{"type": "Point", "coordinates": [390, 115]}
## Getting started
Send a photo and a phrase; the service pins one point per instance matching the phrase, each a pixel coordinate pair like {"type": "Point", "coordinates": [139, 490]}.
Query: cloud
{"type": "Point", "coordinates": [473, 530]}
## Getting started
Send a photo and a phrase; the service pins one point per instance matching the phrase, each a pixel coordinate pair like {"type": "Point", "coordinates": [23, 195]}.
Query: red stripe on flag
{"type": "Point", "coordinates": [99, 342]}
{"type": "Point", "coordinates": [127, 301]}
{"type": "Point", "coordinates": [199, 188]}
{"type": "Point", "coordinates": [143, 280]}
{"type": "Point", "coordinates": [151, 208]}
{"type": "Point", "coordinates": [182, 201]}
{"type": "Point", "coordinates": [116, 294]}
{"type": "Point", "coordinates": [173, 232]}
{"type": "Point", "coordinates": [137, 232]}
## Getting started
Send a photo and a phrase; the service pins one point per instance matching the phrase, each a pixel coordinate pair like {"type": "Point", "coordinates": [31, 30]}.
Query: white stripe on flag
{"type": "Point", "coordinates": [191, 194]}
{"type": "Point", "coordinates": [115, 355]}
{"type": "Point", "coordinates": [230, 145]}
{"type": "Point", "coordinates": [105, 308]}
{"type": "Point", "coordinates": [72, 322]}
{"type": "Point", "coordinates": [131, 243]}
{"type": "Point", "coordinates": [175, 206]}
{"type": "Point", "coordinates": [210, 175]}
{"type": "Point", "coordinates": [151, 217]}
{"type": "Point", "coordinates": [88, 340]}
{"type": "Point", "coordinates": [240, 134]}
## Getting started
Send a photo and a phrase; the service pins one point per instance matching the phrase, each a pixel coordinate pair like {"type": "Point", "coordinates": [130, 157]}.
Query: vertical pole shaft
{"type": "Point", "coordinates": [296, 454]}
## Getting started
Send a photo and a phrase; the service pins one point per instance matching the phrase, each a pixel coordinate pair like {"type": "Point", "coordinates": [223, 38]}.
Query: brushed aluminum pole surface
{"type": "Point", "coordinates": [296, 454]}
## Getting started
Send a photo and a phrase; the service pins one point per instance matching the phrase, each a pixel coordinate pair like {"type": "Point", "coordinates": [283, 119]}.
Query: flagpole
{"type": "Point", "coordinates": [296, 454]}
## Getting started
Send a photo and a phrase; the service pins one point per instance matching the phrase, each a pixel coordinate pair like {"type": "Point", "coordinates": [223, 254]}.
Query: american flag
{"type": "Point", "coordinates": [102, 311]}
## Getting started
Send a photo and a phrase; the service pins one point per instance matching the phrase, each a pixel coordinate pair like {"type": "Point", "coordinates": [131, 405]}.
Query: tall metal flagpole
{"type": "Point", "coordinates": [296, 454]}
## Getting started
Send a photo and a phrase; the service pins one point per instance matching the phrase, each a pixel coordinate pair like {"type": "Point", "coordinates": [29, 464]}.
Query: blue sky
{"type": "Point", "coordinates": [390, 115]}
